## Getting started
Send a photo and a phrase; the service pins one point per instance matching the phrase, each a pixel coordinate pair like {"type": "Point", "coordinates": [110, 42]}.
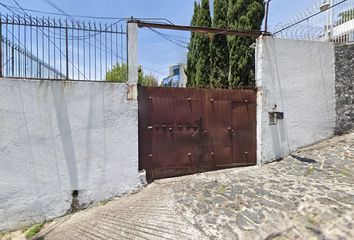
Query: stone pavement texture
{"type": "Point", "coordinates": [309, 195]}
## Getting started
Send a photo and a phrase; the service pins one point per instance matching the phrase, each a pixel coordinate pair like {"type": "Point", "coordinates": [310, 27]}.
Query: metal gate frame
{"type": "Point", "coordinates": [191, 130]}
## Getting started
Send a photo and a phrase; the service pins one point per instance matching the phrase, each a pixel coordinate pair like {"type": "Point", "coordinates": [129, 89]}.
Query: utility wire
{"type": "Point", "coordinates": [84, 16]}
{"type": "Point", "coordinates": [57, 8]}
{"type": "Point", "coordinates": [90, 35]}
{"type": "Point", "coordinates": [50, 40]}
{"type": "Point", "coordinates": [97, 32]}
{"type": "Point", "coordinates": [27, 53]}
{"type": "Point", "coordinates": [167, 38]}
{"type": "Point", "coordinates": [153, 70]}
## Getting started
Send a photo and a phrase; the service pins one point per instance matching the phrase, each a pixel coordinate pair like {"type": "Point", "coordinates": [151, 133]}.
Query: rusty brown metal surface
{"type": "Point", "coordinates": [205, 30]}
{"type": "Point", "coordinates": [189, 130]}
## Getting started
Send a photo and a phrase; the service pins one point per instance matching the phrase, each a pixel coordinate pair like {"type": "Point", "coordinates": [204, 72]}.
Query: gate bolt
{"type": "Point", "coordinates": [246, 153]}
{"type": "Point", "coordinates": [150, 127]}
{"type": "Point", "coordinates": [211, 100]}
{"type": "Point", "coordinates": [246, 101]}
{"type": "Point", "coordinates": [212, 153]}
{"type": "Point", "coordinates": [150, 155]}
{"type": "Point", "coordinates": [189, 99]}
{"type": "Point", "coordinates": [150, 98]}
{"type": "Point", "coordinates": [170, 129]}
{"type": "Point", "coordinates": [189, 154]}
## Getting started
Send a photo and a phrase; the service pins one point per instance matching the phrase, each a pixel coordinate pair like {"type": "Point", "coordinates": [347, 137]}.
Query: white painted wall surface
{"type": "Point", "coordinates": [59, 136]}
{"type": "Point", "coordinates": [298, 77]}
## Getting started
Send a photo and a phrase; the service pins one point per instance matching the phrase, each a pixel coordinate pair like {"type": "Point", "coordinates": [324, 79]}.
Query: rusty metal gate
{"type": "Point", "coordinates": [190, 130]}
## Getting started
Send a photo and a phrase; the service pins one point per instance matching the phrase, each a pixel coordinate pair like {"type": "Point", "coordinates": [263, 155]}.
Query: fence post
{"type": "Point", "coordinates": [132, 50]}
{"type": "Point", "coordinates": [266, 16]}
{"type": "Point", "coordinates": [13, 60]}
{"type": "Point", "coordinates": [1, 70]}
{"type": "Point", "coordinates": [66, 53]}
{"type": "Point", "coordinates": [331, 20]}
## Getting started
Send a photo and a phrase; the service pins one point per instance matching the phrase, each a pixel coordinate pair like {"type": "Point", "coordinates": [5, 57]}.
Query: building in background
{"type": "Point", "coordinates": [177, 76]}
{"type": "Point", "coordinates": [343, 30]}
{"type": "Point", "coordinates": [326, 20]}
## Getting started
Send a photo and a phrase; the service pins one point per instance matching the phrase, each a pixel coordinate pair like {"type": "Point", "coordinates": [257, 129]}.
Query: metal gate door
{"type": "Point", "coordinates": [188, 130]}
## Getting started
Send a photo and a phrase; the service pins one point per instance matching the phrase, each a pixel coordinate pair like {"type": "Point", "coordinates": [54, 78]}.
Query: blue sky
{"type": "Point", "coordinates": [156, 53]}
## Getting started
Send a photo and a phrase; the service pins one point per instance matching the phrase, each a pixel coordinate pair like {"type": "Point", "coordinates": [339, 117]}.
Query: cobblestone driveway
{"type": "Point", "coordinates": [307, 196]}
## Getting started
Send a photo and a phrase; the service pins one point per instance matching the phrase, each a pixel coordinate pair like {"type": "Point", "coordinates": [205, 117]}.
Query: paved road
{"type": "Point", "coordinates": [307, 196]}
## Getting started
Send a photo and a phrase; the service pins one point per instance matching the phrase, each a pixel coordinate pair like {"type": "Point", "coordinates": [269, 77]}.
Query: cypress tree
{"type": "Point", "coordinates": [203, 68]}
{"type": "Point", "coordinates": [192, 56]}
{"type": "Point", "coordinates": [219, 48]}
{"type": "Point", "coordinates": [243, 15]}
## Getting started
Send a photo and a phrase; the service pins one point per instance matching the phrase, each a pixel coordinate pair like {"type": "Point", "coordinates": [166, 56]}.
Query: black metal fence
{"type": "Point", "coordinates": [51, 48]}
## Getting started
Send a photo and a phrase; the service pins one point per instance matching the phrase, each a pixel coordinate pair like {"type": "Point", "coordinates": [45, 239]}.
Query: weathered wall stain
{"type": "Point", "coordinates": [296, 78]}
{"type": "Point", "coordinates": [61, 137]}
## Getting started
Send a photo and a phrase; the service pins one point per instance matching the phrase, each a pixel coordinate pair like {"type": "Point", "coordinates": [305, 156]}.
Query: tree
{"type": "Point", "coordinates": [243, 15]}
{"type": "Point", "coordinates": [192, 55]}
{"type": "Point", "coordinates": [203, 68]}
{"type": "Point", "coordinates": [149, 81]}
{"type": "Point", "coordinates": [218, 48]}
{"type": "Point", "coordinates": [146, 80]}
{"type": "Point", "coordinates": [119, 73]}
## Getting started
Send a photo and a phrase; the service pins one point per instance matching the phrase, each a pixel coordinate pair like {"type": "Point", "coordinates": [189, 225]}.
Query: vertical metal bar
{"type": "Point", "coordinates": [18, 51]}
{"type": "Point", "coordinates": [48, 47]}
{"type": "Point", "coordinates": [266, 16]}
{"type": "Point", "coordinates": [66, 52]}
{"type": "Point", "coordinates": [78, 51]}
{"type": "Point", "coordinates": [25, 41]}
{"type": "Point", "coordinates": [72, 51]}
{"type": "Point", "coordinates": [117, 45]}
{"type": "Point", "coordinates": [13, 50]}
{"type": "Point", "coordinates": [89, 50]}
{"type": "Point", "coordinates": [121, 43]}
{"type": "Point", "coordinates": [127, 52]}
{"type": "Point", "coordinates": [54, 49]}
{"type": "Point", "coordinates": [105, 40]}
{"type": "Point", "coordinates": [331, 19]}
{"type": "Point", "coordinates": [13, 61]}
{"type": "Point", "coordinates": [1, 49]}
{"type": "Point", "coordinates": [37, 46]}
{"type": "Point", "coordinates": [84, 27]}
{"type": "Point", "coordinates": [60, 47]}
{"type": "Point", "coordinates": [111, 52]}
{"type": "Point", "coordinates": [40, 71]}
{"type": "Point", "coordinates": [31, 43]}
{"type": "Point", "coordinates": [95, 54]}
{"type": "Point", "coordinates": [6, 48]}
{"type": "Point", "coordinates": [100, 52]}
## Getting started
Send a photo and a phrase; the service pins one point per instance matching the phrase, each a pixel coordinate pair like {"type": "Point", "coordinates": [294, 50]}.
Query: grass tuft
{"type": "Point", "coordinates": [32, 231]}
{"type": "Point", "coordinates": [309, 171]}
{"type": "Point", "coordinates": [222, 190]}
{"type": "Point", "coordinates": [2, 234]}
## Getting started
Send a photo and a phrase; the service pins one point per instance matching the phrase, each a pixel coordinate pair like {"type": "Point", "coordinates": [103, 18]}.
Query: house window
{"type": "Point", "coordinates": [175, 71]}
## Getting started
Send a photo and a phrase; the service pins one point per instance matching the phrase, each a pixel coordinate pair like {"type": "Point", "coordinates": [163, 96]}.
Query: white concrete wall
{"type": "Point", "coordinates": [60, 136]}
{"type": "Point", "coordinates": [297, 78]}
